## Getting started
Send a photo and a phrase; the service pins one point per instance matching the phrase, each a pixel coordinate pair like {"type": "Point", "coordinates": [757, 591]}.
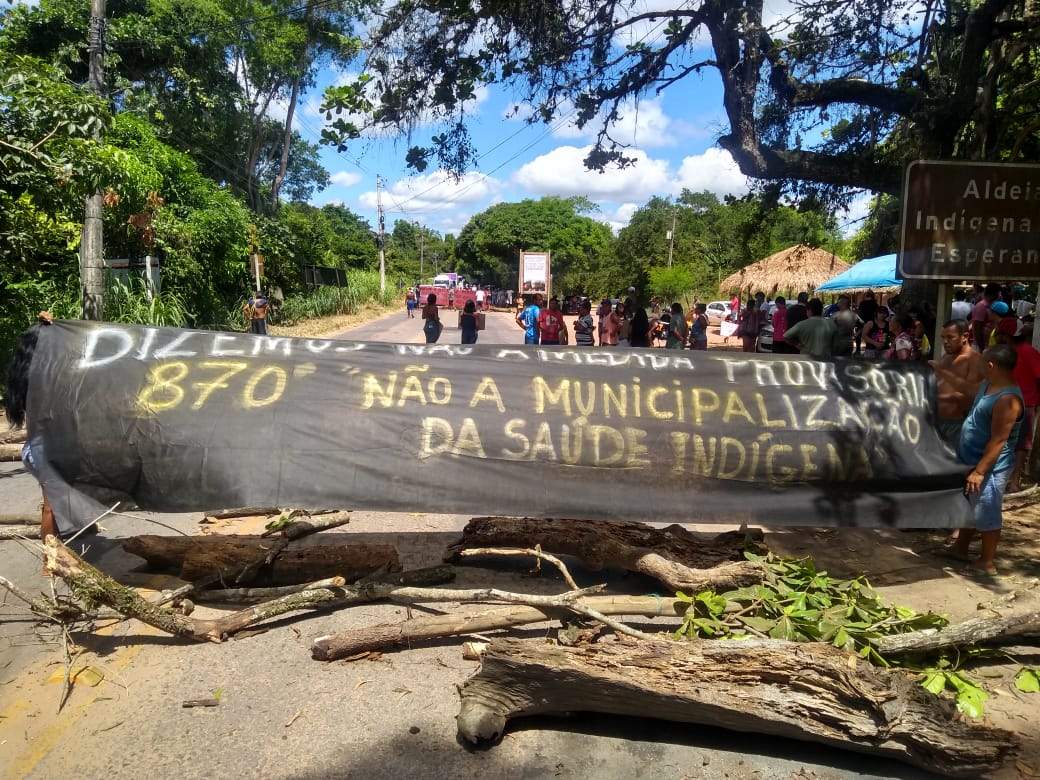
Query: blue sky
{"type": "Point", "coordinates": [672, 136]}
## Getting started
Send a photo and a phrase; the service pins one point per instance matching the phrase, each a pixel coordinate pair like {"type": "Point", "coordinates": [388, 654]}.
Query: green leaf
{"type": "Point", "coordinates": [1028, 680]}
{"type": "Point", "coordinates": [970, 697]}
{"type": "Point", "coordinates": [784, 629]}
{"type": "Point", "coordinates": [934, 681]}
{"type": "Point", "coordinates": [765, 625]}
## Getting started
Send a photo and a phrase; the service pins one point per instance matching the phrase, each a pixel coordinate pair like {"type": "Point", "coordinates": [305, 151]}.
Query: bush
{"type": "Point", "coordinates": [362, 287]}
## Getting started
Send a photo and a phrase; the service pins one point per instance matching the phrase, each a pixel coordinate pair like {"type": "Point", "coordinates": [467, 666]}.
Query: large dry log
{"type": "Point", "coordinates": [672, 555]}
{"type": "Point", "coordinates": [387, 635]}
{"type": "Point", "coordinates": [93, 587]}
{"type": "Point", "coordinates": [200, 558]}
{"type": "Point", "coordinates": [805, 691]}
{"type": "Point", "coordinates": [976, 630]}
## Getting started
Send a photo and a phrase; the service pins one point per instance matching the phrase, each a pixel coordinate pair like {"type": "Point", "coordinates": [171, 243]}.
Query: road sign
{"type": "Point", "coordinates": [970, 220]}
{"type": "Point", "coordinates": [534, 272]}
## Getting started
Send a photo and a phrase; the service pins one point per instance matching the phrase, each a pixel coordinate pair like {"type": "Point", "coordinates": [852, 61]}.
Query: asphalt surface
{"type": "Point", "coordinates": [501, 328]}
{"type": "Point", "coordinates": [283, 715]}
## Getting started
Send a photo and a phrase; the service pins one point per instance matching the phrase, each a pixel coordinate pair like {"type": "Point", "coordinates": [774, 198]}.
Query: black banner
{"type": "Point", "coordinates": [181, 420]}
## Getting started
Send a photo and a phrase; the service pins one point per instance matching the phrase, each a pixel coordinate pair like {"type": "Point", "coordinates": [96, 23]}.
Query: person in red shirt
{"type": "Point", "coordinates": [551, 324]}
{"type": "Point", "coordinates": [1027, 375]}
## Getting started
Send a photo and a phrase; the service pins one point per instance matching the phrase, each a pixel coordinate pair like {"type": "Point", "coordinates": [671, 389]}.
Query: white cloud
{"type": "Point", "coordinates": [562, 172]}
{"type": "Point", "coordinates": [643, 123]}
{"type": "Point", "coordinates": [435, 191]}
{"type": "Point", "coordinates": [713, 170]}
{"type": "Point", "coordinates": [345, 178]}
{"type": "Point", "coordinates": [621, 216]}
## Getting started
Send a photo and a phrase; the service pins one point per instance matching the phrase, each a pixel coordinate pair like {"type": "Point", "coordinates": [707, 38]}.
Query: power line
{"type": "Point", "coordinates": [551, 129]}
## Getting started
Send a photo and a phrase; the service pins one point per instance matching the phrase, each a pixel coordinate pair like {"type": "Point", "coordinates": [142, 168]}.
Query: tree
{"type": "Point", "coordinates": [837, 95]}
{"type": "Point", "coordinates": [671, 282]}
{"type": "Point", "coordinates": [489, 245]}
{"type": "Point", "coordinates": [713, 238]}
{"type": "Point", "coordinates": [208, 74]}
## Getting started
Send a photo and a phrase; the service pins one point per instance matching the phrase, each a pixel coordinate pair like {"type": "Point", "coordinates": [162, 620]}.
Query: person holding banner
{"type": "Point", "coordinates": [987, 443]}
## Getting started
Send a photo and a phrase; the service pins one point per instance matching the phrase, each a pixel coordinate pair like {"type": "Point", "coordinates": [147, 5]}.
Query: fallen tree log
{"type": "Point", "coordinates": [93, 587]}
{"type": "Point", "coordinates": [8, 532]}
{"type": "Point", "coordinates": [674, 556]}
{"type": "Point", "coordinates": [805, 691]}
{"type": "Point", "coordinates": [202, 558]}
{"type": "Point", "coordinates": [388, 635]}
{"type": "Point", "coordinates": [974, 631]}
{"type": "Point", "coordinates": [23, 519]}
{"type": "Point", "coordinates": [243, 511]}
{"type": "Point", "coordinates": [351, 594]}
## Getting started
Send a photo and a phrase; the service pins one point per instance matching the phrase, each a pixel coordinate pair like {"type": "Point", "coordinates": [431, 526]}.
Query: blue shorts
{"type": "Point", "coordinates": [411, 305]}
{"type": "Point", "coordinates": [530, 339]}
{"type": "Point", "coordinates": [988, 502]}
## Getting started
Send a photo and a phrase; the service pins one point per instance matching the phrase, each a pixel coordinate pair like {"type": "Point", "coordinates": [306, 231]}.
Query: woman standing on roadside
{"type": "Point", "coordinates": [432, 327]}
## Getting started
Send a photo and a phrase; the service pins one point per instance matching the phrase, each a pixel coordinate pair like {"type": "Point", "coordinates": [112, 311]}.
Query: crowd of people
{"type": "Point", "coordinates": [987, 371]}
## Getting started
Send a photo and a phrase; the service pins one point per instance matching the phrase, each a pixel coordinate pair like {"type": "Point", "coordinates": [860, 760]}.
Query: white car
{"type": "Point", "coordinates": [717, 312]}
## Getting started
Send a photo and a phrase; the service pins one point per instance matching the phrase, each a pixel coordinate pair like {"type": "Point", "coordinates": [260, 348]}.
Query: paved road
{"type": "Point", "coordinates": [399, 329]}
{"type": "Point", "coordinates": [283, 715]}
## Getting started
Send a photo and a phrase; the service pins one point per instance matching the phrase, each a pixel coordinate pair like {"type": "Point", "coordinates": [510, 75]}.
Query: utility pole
{"type": "Point", "coordinates": [671, 238]}
{"type": "Point", "coordinates": [382, 234]}
{"type": "Point", "coordinates": [91, 245]}
{"type": "Point", "coordinates": [422, 239]}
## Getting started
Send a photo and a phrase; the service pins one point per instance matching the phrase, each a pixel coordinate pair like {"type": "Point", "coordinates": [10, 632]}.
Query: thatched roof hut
{"type": "Point", "coordinates": [795, 269]}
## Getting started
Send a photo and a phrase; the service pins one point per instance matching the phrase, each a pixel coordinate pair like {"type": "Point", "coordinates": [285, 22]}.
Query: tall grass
{"type": "Point", "coordinates": [362, 287]}
{"type": "Point", "coordinates": [128, 301]}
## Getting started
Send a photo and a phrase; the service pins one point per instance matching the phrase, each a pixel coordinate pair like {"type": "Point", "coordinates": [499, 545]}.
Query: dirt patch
{"type": "Point", "coordinates": [324, 327]}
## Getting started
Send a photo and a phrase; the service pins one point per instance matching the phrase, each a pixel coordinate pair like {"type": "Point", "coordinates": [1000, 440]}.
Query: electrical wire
{"type": "Point", "coordinates": [551, 129]}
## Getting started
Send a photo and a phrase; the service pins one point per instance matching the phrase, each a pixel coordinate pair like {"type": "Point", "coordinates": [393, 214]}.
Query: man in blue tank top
{"type": "Point", "coordinates": [987, 443]}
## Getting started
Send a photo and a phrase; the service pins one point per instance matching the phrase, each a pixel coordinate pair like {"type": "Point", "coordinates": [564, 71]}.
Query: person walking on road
{"type": "Point", "coordinates": [432, 327]}
{"type": "Point", "coordinates": [409, 302]}
{"type": "Point", "coordinates": [527, 319]}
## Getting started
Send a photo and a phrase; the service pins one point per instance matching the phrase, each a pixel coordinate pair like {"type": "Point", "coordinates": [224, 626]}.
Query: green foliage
{"type": "Point", "coordinates": [1028, 680]}
{"type": "Point", "coordinates": [128, 301]}
{"type": "Point", "coordinates": [489, 245]}
{"type": "Point", "coordinates": [800, 604]}
{"type": "Point", "coordinates": [715, 237]}
{"type": "Point", "coordinates": [970, 696]}
{"type": "Point", "coordinates": [671, 283]}
{"type": "Point", "coordinates": [362, 287]}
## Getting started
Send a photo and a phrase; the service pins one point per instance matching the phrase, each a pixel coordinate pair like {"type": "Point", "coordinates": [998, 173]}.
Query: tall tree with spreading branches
{"type": "Point", "coordinates": [834, 96]}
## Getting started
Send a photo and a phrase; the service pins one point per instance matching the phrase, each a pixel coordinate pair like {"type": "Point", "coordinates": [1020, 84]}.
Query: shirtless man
{"type": "Point", "coordinates": [960, 371]}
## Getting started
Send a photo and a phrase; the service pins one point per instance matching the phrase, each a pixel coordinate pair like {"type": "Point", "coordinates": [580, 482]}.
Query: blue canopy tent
{"type": "Point", "coordinates": [873, 273]}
